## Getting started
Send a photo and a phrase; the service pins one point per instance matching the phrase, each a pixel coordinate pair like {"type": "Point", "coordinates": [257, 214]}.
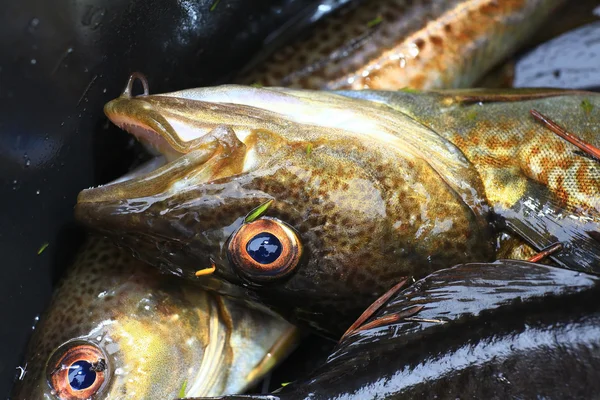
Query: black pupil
{"type": "Point", "coordinates": [264, 248]}
{"type": "Point", "coordinates": [81, 375]}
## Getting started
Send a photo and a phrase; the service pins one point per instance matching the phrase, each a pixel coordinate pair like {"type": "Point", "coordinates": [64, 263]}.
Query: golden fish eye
{"type": "Point", "coordinates": [265, 249]}
{"type": "Point", "coordinates": [79, 372]}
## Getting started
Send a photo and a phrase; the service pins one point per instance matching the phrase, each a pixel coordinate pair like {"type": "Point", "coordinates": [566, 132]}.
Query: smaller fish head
{"type": "Point", "coordinates": [118, 330]}
{"type": "Point", "coordinates": [119, 343]}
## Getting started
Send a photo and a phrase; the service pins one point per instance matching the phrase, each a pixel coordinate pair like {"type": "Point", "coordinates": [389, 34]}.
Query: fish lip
{"type": "Point", "coordinates": [137, 116]}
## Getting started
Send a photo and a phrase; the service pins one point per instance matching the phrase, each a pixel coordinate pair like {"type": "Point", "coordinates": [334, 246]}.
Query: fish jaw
{"type": "Point", "coordinates": [139, 118]}
{"type": "Point", "coordinates": [371, 195]}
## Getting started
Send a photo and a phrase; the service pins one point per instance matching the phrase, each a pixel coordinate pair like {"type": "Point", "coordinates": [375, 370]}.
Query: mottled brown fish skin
{"type": "Point", "coordinates": [392, 44]}
{"type": "Point", "coordinates": [513, 152]}
{"type": "Point", "coordinates": [543, 188]}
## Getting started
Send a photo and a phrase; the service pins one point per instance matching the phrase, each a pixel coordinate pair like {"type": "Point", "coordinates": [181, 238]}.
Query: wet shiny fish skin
{"type": "Point", "coordinates": [377, 185]}
{"type": "Point", "coordinates": [392, 44]}
{"type": "Point", "coordinates": [543, 188]}
{"type": "Point", "coordinates": [158, 335]}
{"type": "Point", "coordinates": [508, 329]}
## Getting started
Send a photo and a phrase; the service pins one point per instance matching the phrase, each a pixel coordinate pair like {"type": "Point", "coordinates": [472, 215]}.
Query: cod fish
{"type": "Point", "coordinates": [502, 330]}
{"type": "Point", "coordinates": [316, 203]}
{"type": "Point", "coordinates": [117, 329]}
{"type": "Point", "coordinates": [392, 44]}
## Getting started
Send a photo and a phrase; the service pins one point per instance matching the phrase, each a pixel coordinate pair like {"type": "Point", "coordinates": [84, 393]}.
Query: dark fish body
{"type": "Point", "coordinates": [392, 44]}
{"type": "Point", "coordinates": [503, 330]}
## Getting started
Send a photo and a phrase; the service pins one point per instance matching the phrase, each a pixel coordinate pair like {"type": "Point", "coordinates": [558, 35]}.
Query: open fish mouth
{"type": "Point", "coordinates": [186, 129]}
{"type": "Point", "coordinates": [170, 128]}
{"type": "Point", "coordinates": [138, 116]}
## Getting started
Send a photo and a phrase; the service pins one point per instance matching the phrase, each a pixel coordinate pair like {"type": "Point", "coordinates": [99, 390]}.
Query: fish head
{"type": "Point", "coordinates": [118, 330]}
{"type": "Point", "coordinates": [300, 200]}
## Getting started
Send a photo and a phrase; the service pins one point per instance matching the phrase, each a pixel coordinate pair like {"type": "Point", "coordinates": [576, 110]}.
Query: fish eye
{"type": "Point", "coordinates": [265, 249]}
{"type": "Point", "coordinates": [77, 371]}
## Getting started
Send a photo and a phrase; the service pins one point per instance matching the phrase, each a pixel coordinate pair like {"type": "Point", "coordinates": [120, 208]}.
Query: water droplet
{"type": "Point", "coordinates": [93, 17]}
{"type": "Point", "coordinates": [104, 90]}
{"type": "Point", "coordinates": [15, 182]}
{"type": "Point", "coordinates": [33, 25]}
{"type": "Point", "coordinates": [27, 163]}
{"type": "Point", "coordinates": [62, 123]}
{"type": "Point", "coordinates": [37, 192]}
{"type": "Point", "coordinates": [33, 61]}
{"type": "Point", "coordinates": [46, 137]}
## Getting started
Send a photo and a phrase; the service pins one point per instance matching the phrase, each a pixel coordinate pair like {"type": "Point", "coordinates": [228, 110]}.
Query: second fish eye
{"type": "Point", "coordinates": [78, 371]}
{"type": "Point", "coordinates": [265, 249]}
